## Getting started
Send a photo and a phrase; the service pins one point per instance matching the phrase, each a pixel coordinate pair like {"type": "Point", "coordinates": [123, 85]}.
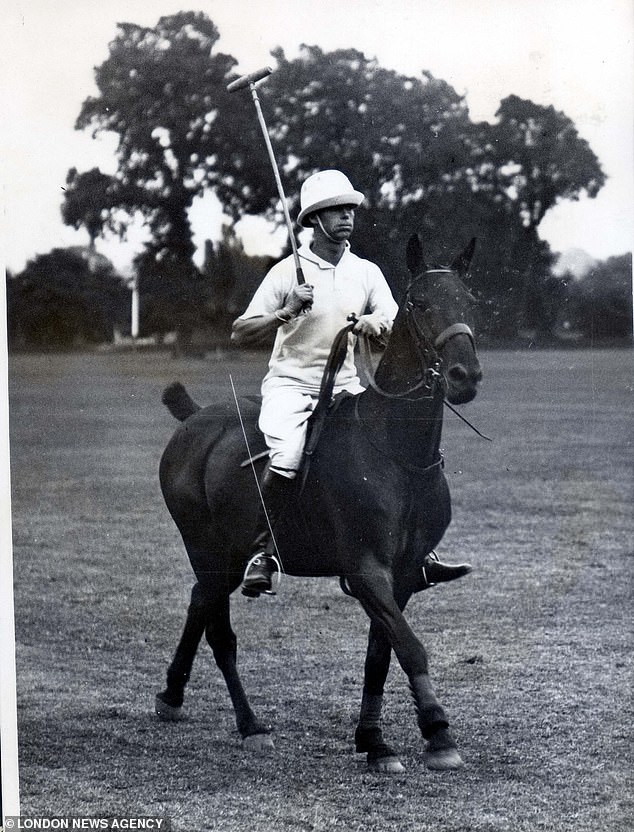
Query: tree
{"type": "Point", "coordinates": [64, 298]}
{"type": "Point", "coordinates": [540, 159]}
{"type": "Point", "coordinates": [163, 92]}
{"type": "Point", "coordinates": [602, 301]}
{"type": "Point", "coordinates": [407, 142]}
{"type": "Point", "coordinates": [232, 276]}
{"type": "Point", "coordinates": [534, 158]}
{"type": "Point", "coordinates": [87, 200]}
{"type": "Point", "coordinates": [409, 145]}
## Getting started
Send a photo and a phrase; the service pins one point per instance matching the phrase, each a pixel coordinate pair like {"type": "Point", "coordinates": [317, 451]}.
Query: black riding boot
{"type": "Point", "coordinates": [258, 576]}
{"type": "Point", "coordinates": [434, 571]}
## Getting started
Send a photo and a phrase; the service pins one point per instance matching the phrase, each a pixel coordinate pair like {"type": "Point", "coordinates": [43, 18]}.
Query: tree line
{"type": "Point", "coordinates": [407, 142]}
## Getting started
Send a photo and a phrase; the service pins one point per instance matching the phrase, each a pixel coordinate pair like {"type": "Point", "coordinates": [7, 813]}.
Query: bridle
{"type": "Point", "coordinates": [428, 346]}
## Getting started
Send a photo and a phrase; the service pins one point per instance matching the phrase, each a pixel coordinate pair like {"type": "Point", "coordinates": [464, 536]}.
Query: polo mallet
{"type": "Point", "coordinates": [250, 82]}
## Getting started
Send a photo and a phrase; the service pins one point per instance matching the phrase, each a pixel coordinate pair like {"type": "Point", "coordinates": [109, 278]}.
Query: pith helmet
{"type": "Point", "coordinates": [326, 189]}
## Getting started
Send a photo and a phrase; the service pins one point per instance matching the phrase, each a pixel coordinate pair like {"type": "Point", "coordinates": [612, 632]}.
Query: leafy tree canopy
{"type": "Point", "coordinates": [602, 300]}
{"type": "Point", "coordinates": [540, 159]}
{"type": "Point", "coordinates": [163, 92]}
{"type": "Point", "coordinates": [87, 200]}
{"type": "Point", "coordinates": [65, 297]}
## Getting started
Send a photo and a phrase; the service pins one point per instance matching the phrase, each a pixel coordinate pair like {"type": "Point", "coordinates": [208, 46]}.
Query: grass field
{"type": "Point", "coordinates": [531, 654]}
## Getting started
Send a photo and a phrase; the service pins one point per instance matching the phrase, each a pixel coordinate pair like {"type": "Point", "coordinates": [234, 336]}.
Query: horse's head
{"type": "Point", "coordinates": [441, 313]}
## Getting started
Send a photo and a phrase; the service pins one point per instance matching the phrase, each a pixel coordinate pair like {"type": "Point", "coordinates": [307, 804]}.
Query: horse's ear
{"type": "Point", "coordinates": [463, 260]}
{"type": "Point", "coordinates": [415, 259]}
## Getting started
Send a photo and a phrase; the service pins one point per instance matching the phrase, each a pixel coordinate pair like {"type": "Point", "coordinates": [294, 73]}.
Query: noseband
{"type": "Point", "coordinates": [450, 332]}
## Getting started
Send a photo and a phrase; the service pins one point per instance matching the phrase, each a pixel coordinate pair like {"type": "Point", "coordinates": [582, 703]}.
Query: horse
{"type": "Point", "coordinates": [374, 502]}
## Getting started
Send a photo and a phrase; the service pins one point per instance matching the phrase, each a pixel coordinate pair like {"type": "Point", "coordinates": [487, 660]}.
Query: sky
{"type": "Point", "coordinates": [576, 55]}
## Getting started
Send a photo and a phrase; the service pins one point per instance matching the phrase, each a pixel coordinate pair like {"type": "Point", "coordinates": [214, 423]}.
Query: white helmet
{"type": "Point", "coordinates": [326, 189]}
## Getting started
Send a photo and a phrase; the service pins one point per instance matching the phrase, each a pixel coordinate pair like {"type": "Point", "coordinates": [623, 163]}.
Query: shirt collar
{"type": "Point", "coordinates": [307, 253]}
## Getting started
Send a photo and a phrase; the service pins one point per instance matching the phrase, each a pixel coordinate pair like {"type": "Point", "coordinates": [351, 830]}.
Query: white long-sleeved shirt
{"type": "Point", "coordinates": [302, 346]}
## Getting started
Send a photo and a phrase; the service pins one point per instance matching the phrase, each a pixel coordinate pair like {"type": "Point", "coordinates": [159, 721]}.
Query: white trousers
{"type": "Point", "coordinates": [286, 408]}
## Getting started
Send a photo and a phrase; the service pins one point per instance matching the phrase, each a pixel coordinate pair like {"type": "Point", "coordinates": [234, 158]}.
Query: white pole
{"type": "Point", "coordinates": [134, 322]}
{"type": "Point", "coordinates": [8, 706]}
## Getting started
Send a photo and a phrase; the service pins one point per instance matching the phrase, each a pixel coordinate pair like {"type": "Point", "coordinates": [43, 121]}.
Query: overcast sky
{"type": "Point", "coordinates": [574, 54]}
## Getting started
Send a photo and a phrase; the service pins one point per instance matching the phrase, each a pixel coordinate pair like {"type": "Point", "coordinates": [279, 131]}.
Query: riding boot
{"type": "Point", "coordinates": [262, 565]}
{"type": "Point", "coordinates": [434, 571]}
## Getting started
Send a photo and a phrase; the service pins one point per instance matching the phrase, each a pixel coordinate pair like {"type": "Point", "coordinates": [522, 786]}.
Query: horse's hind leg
{"type": "Point", "coordinates": [223, 642]}
{"type": "Point", "coordinates": [169, 702]}
{"type": "Point", "coordinates": [208, 613]}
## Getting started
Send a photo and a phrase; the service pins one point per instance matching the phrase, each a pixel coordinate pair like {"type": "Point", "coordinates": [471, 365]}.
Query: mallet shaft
{"type": "Point", "coordinates": [278, 182]}
{"type": "Point", "coordinates": [250, 81]}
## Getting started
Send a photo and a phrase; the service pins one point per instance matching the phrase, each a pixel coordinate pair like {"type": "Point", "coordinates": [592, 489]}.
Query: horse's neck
{"type": "Point", "coordinates": [399, 367]}
{"type": "Point", "coordinates": [408, 431]}
{"type": "Point", "coordinates": [410, 426]}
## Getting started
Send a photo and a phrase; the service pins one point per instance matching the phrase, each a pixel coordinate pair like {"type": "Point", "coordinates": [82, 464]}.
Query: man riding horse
{"type": "Point", "coordinates": [305, 318]}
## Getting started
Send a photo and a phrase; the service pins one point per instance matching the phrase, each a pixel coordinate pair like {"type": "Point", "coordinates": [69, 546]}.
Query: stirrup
{"type": "Point", "coordinates": [255, 593]}
{"type": "Point", "coordinates": [435, 557]}
{"type": "Point", "coordinates": [449, 572]}
{"type": "Point", "coordinates": [345, 587]}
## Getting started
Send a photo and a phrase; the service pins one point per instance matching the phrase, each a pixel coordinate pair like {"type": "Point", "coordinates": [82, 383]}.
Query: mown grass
{"type": "Point", "coordinates": [531, 654]}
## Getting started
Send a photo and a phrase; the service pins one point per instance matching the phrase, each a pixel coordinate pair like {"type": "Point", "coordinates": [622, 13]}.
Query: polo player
{"type": "Point", "coordinates": [305, 318]}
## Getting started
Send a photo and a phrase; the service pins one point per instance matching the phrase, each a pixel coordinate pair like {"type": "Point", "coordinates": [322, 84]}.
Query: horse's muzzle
{"type": "Point", "coordinates": [463, 383]}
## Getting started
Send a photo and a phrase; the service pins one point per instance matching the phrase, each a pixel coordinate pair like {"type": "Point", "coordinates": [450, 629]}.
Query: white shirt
{"type": "Point", "coordinates": [302, 346]}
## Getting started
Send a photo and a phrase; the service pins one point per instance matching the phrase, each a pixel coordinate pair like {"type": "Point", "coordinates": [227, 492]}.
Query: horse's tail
{"type": "Point", "coordinates": [178, 401]}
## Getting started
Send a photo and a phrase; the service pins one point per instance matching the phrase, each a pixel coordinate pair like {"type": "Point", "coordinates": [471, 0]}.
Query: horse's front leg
{"type": "Point", "coordinates": [368, 736]}
{"type": "Point", "coordinates": [372, 586]}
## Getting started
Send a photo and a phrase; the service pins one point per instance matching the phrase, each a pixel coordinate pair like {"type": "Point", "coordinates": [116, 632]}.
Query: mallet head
{"type": "Point", "coordinates": [247, 80]}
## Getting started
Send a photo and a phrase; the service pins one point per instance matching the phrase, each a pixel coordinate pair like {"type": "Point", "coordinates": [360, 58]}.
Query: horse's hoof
{"type": "Point", "coordinates": [444, 759]}
{"type": "Point", "coordinates": [258, 742]}
{"type": "Point", "coordinates": [386, 765]}
{"type": "Point", "coordinates": [168, 713]}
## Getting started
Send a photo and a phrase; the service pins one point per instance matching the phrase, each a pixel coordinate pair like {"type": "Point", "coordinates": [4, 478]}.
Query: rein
{"type": "Point", "coordinates": [433, 372]}
{"type": "Point", "coordinates": [430, 380]}
{"type": "Point", "coordinates": [428, 349]}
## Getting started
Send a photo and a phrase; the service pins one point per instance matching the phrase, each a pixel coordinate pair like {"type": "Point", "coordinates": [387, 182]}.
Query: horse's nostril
{"type": "Point", "coordinates": [457, 373]}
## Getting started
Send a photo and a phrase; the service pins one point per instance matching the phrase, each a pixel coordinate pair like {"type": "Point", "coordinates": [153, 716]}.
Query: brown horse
{"type": "Point", "coordinates": [375, 502]}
